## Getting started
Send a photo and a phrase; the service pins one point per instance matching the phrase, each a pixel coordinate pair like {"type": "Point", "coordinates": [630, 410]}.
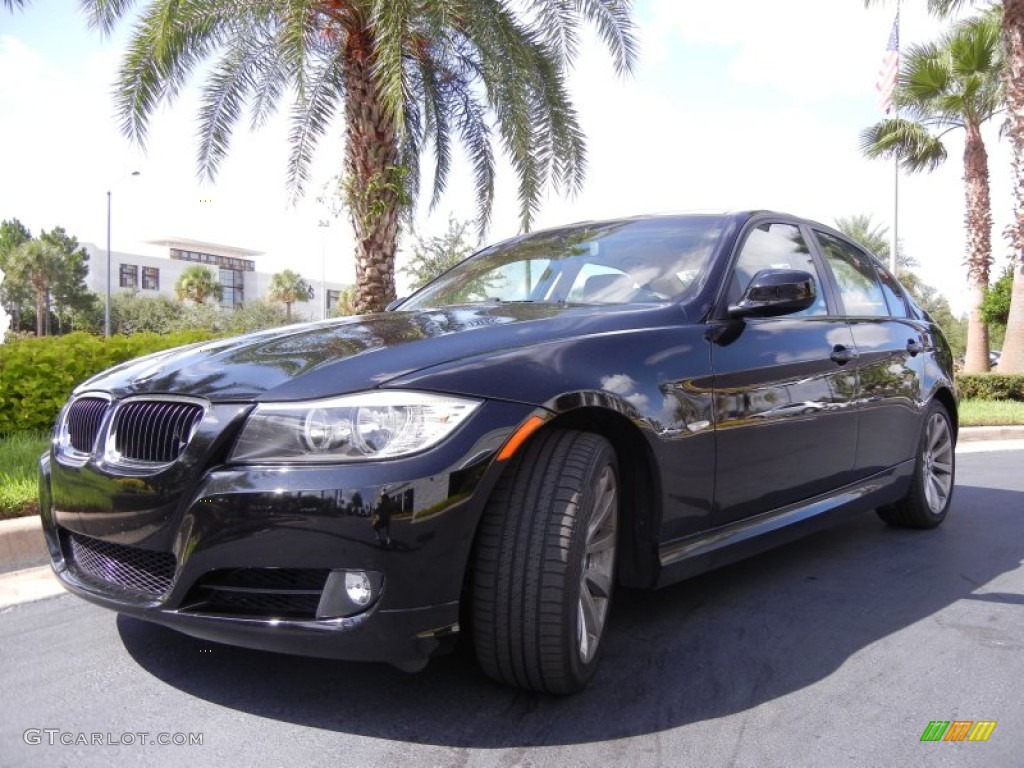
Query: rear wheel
{"type": "Point", "coordinates": [545, 564]}
{"type": "Point", "coordinates": [931, 491]}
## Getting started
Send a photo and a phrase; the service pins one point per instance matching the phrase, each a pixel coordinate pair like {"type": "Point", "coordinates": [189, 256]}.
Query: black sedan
{"type": "Point", "coordinates": [625, 402]}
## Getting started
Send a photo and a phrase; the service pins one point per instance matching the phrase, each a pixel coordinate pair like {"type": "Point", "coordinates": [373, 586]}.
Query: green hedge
{"type": "Point", "coordinates": [991, 386]}
{"type": "Point", "coordinates": [37, 375]}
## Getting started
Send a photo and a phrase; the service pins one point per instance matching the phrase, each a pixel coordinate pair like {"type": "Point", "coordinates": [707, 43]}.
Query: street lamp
{"type": "Point", "coordinates": [323, 267]}
{"type": "Point", "coordinates": [106, 309]}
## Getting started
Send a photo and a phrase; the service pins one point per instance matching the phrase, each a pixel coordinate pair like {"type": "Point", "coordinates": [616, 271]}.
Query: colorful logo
{"type": "Point", "coordinates": [958, 730]}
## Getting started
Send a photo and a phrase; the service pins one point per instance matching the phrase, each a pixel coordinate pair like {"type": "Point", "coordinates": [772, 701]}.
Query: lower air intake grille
{"type": "Point", "coordinates": [131, 568]}
{"type": "Point", "coordinates": [282, 593]}
{"type": "Point", "coordinates": [154, 431]}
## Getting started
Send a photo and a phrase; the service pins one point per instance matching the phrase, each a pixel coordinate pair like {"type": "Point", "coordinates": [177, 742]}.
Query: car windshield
{"type": "Point", "coordinates": [623, 262]}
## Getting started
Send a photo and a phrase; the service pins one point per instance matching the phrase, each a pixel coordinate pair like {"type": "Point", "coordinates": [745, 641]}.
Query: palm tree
{"type": "Point", "coordinates": [403, 75]}
{"type": "Point", "coordinates": [1012, 360]}
{"type": "Point", "coordinates": [289, 287]}
{"type": "Point", "coordinates": [36, 264]}
{"type": "Point", "coordinates": [198, 283]}
{"type": "Point", "coordinates": [862, 229]}
{"type": "Point", "coordinates": [953, 84]}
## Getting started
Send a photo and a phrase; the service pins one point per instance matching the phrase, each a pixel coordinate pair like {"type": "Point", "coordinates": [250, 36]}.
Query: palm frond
{"type": "Point", "coordinates": [908, 141]}
{"type": "Point", "coordinates": [170, 39]}
{"type": "Point", "coordinates": [310, 118]}
{"type": "Point", "coordinates": [943, 8]}
{"type": "Point", "coordinates": [101, 14]}
{"type": "Point", "coordinates": [390, 21]}
{"type": "Point", "coordinates": [270, 76]}
{"type": "Point", "coordinates": [224, 95]}
{"type": "Point", "coordinates": [613, 19]}
{"type": "Point", "coordinates": [557, 19]}
{"type": "Point", "coordinates": [434, 85]}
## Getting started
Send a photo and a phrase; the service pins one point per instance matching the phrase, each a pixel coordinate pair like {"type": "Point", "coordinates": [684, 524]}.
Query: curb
{"type": "Point", "coordinates": [972, 434]}
{"type": "Point", "coordinates": [22, 544]}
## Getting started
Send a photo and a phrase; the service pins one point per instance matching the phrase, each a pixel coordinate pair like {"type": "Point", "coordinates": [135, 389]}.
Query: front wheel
{"type": "Point", "coordinates": [545, 564]}
{"type": "Point", "coordinates": [931, 491]}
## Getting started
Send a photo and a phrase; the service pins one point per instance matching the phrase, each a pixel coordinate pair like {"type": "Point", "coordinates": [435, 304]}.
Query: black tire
{"type": "Point", "coordinates": [931, 489]}
{"type": "Point", "coordinates": [545, 563]}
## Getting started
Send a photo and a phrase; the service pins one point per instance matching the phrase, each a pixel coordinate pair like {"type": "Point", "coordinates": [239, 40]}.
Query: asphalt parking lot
{"type": "Point", "coordinates": [837, 650]}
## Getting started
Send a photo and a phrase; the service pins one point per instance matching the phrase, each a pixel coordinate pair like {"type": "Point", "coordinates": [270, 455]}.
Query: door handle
{"type": "Point", "coordinates": [843, 355]}
{"type": "Point", "coordinates": [914, 347]}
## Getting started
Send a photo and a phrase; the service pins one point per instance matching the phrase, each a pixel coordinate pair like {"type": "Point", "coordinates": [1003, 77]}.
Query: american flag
{"type": "Point", "coordinates": [890, 68]}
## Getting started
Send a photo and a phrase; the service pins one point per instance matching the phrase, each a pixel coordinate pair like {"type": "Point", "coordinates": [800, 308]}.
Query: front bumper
{"type": "Point", "coordinates": [255, 555]}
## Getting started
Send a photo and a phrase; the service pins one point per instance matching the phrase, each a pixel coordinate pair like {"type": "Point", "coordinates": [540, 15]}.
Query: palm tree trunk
{"type": "Point", "coordinates": [1012, 360]}
{"type": "Point", "coordinates": [374, 182]}
{"type": "Point", "coordinates": [979, 246]}
{"type": "Point", "coordinates": [40, 306]}
{"type": "Point", "coordinates": [288, 311]}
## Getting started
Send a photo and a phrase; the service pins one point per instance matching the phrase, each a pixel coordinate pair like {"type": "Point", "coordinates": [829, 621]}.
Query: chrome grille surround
{"type": "Point", "coordinates": [154, 431]}
{"type": "Point", "coordinates": [80, 425]}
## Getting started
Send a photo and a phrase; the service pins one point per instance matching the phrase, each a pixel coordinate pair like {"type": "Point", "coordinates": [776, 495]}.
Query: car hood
{"type": "Point", "coordinates": [352, 354]}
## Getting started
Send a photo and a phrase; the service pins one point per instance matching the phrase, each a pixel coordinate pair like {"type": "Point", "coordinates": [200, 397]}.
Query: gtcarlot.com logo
{"type": "Point", "coordinates": [958, 730]}
{"type": "Point", "coordinates": [55, 736]}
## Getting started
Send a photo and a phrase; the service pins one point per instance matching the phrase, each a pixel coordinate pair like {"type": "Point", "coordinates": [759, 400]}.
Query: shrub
{"type": "Point", "coordinates": [37, 375]}
{"type": "Point", "coordinates": [991, 386]}
{"type": "Point", "coordinates": [133, 313]}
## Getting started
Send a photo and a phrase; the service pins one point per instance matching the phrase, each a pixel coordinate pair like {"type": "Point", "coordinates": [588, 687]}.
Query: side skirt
{"type": "Point", "coordinates": [712, 549]}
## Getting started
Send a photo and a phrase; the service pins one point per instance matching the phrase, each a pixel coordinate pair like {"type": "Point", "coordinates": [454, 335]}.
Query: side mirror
{"type": "Point", "coordinates": [775, 292]}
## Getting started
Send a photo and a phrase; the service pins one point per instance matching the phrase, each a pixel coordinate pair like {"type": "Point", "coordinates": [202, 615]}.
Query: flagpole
{"type": "Point", "coordinates": [896, 172]}
{"type": "Point", "coordinates": [895, 215]}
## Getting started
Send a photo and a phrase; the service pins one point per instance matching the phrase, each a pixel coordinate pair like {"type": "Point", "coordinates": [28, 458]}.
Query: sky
{"type": "Point", "coordinates": [744, 104]}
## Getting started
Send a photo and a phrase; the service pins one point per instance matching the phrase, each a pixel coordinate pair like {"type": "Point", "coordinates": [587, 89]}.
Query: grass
{"type": "Point", "coordinates": [19, 462]}
{"type": "Point", "coordinates": [991, 413]}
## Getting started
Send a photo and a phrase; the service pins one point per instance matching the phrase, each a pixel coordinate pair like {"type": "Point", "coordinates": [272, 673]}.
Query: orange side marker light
{"type": "Point", "coordinates": [529, 426]}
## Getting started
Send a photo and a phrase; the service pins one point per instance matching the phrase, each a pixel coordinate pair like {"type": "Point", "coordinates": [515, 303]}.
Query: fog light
{"type": "Point", "coordinates": [358, 587]}
{"type": "Point", "coordinates": [347, 593]}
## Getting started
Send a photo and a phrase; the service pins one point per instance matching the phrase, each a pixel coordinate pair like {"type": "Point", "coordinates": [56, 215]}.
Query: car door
{"type": "Point", "coordinates": [890, 345]}
{"type": "Point", "coordinates": [784, 387]}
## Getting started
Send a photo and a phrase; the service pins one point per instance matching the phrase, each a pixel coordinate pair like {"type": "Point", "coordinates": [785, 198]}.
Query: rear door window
{"type": "Point", "coordinates": [858, 283]}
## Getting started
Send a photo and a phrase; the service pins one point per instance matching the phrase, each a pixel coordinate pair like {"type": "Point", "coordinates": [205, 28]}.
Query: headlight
{"type": "Point", "coordinates": [370, 425]}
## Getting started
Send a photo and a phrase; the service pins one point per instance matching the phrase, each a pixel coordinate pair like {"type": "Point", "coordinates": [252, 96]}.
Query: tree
{"type": "Point", "coordinates": [953, 84]}
{"type": "Point", "coordinates": [403, 75]}
{"type": "Point", "coordinates": [69, 292]}
{"type": "Point", "coordinates": [435, 255]}
{"type": "Point", "coordinates": [862, 229]}
{"type": "Point", "coordinates": [12, 234]}
{"type": "Point", "coordinates": [1012, 360]}
{"type": "Point", "coordinates": [255, 316]}
{"type": "Point", "coordinates": [996, 307]}
{"type": "Point", "coordinates": [289, 287]}
{"type": "Point", "coordinates": [131, 313]}
{"type": "Point", "coordinates": [197, 284]}
{"type": "Point", "coordinates": [36, 265]}
{"type": "Point", "coordinates": [345, 306]}
{"type": "Point", "coordinates": [65, 290]}
{"type": "Point", "coordinates": [876, 239]}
